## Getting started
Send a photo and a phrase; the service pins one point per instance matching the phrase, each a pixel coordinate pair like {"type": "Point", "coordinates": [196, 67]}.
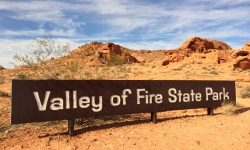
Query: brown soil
{"type": "Point", "coordinates": [182, 129]}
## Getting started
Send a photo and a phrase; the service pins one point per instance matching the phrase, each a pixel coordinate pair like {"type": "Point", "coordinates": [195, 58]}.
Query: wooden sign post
{"type": "Point", "coordinates": [47, 100]}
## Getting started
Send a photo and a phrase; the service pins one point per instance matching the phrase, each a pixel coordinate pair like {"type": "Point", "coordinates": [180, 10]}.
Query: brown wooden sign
{"type": "Point", "coordinates": [47, 100]}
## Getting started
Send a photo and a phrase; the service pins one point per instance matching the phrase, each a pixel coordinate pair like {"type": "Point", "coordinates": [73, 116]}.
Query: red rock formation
{"type": "Point", "coordinates": [197, 45]}
{"type": "Point", "coordinates": [244, 64]}
{"type": "Point", "coordinates": [98, 54]}
{"type": "Point", "coordinates": [110, 49]}
{"type": "Point", "coordinates": [246, 46]}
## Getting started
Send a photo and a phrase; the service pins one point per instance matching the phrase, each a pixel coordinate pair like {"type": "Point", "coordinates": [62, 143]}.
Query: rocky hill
{"type": "Point", "coordinates": [205, 50]}
{"type": "Point", "coordinates": [194, 51]}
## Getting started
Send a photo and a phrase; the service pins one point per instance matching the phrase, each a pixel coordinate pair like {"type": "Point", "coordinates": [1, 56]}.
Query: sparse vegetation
{"type": "Point", "coordinates": [199, 62]}
{"type": "Point", "coordinates": [38, 60]}
{"type": "Point", "coordinates": [245, 93]}
{"type": "Point", "coordinates": [4, 94]}
{"type": "Point", "coordinates": [238, 69]}
{"type": "Point", "coordinates": [177, 69]}
{"type": "Point", "coordinates": [237, 85]}
{"type": "Point", "coordinates": [247, 72]}
{"type": "Point", "coordinates": [21, 76]}
{"type": "Point", "coordinates": [213, 72]}
{"type": "Point", "coordinates": [228, 108]}
{"type": "Point", "coordinates": [1, 79]}
{"type": "Point", "coordinates": [185, 64]}
{"type": "Point", "coordinates": [115, 60]}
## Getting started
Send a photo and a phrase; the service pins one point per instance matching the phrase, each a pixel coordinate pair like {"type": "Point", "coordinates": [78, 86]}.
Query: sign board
{"type": "Point", "coordinates": [47, 100]}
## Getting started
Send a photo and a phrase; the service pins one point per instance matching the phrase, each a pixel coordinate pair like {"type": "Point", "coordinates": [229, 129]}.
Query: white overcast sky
{"type": "Point", "coordinates": [135, 24]}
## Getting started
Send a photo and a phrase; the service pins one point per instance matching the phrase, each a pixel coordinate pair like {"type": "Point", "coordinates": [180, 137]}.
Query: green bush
{"type": "Point", "coordinates": [115, 60]}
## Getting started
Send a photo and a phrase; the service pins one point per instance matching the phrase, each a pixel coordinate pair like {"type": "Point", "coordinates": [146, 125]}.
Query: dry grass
{"type": "Point", "coordinates": [228, 108]}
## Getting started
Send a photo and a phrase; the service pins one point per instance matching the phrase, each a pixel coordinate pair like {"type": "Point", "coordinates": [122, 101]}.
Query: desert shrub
{"type": "Point", "coordinates": [4, 94]}
{"type": "Point", "coordinates": [115, 60]}
{"type": "Point", "coordinates": [1, 79]}
{"type": "Point", "coordinates": [245, 92]}
{"type": "Point", "coordinates": [247, 72]}
{"type": "Point", "coordinates": [204, 68]}
{"type": "Point", "coordinates": [213, 72]}
{"type": "Point", "coordinates": [123, 69]}
{"type": "Point", "coordinates": [228, 108]}
{"type": "Point", "coordinates": [38, 60]}
{"type": "Point", "coordinates": [238, 69]}
{"type": "Point", "coordinates": [177, 69]}
{"type": "Point", "coordinates": [23, 76]}
{"type": "Point", "coordinates": [237, 85]}
{"type": "Point", "coordinates": [185, 64]}
{"type": "Point", "coordinates": [199, 62]}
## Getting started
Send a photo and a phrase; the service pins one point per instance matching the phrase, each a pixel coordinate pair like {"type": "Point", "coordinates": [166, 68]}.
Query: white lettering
{"type": "Point", "coordinates": [56, 103]}
{"type": "Point", "coordinates": [74, 99]}
{"type": "Point", "coordinates": [172, 95]}
{"type": "Point", "coordinates": [112, 100]}
{"type": "Point", "coordinates": [225, 95]}
{"type": "Point", "coordinates": [97, 106]}
{"type": "Point", "coordinates": [42, 107]}
{"type": "Point", "coordinates": [139, 96]}
{"type": "Point", "coordinates": [67, 100]}
{"type": "Point", "coordinates": [84, 102]}
{"type": "Point", "coordinates": [198, 97]}
{"type": "Point", "coordinates": [209, 91]}
{"type": "Point", "coordinates": [216, 95]}
{"type": "Point", "coordinates": [158, 98]}
{"type": "Point", "coordinates": [124, 96]}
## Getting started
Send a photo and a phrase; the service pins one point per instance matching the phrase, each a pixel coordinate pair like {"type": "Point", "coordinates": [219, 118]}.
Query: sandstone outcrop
{"type": "Point", "coordinates": [246, 46]}
{"type": "Point", "coordinates": [244, 64]}
{"type": "Point", "coordinates": [107, 50]}
{"type": "Point", "coordinates": [99, 54]}
{"type": "Point", "coordinates": [198, 45]}
{"type": "Point", "coordinates": [241, 59]}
